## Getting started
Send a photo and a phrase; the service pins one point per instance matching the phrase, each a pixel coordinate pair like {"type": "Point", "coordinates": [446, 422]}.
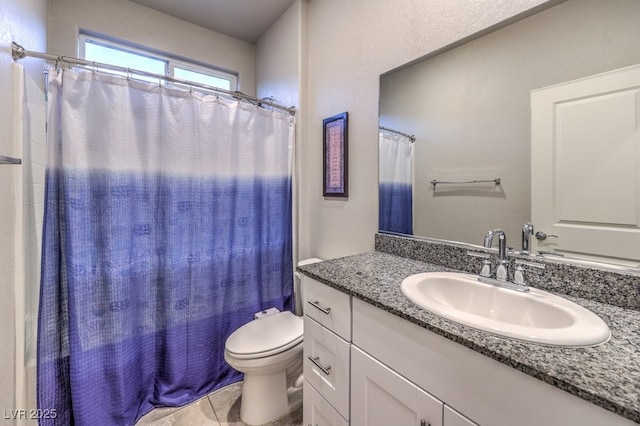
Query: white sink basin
{"type": "Point", "coordinates": [535, 316]}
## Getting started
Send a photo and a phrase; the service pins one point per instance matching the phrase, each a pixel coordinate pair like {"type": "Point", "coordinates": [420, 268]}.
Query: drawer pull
{"type": "Point", "coordinates": [316, 305]}
{"type": "Point", "coordinates": [316, 361]}
{"type": "Point", "coordinates": [424, 422]}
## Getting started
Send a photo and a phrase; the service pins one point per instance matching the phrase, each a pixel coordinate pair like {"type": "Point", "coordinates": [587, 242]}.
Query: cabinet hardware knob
{"type": "Point", "coordinates": [423, 422]}
{"type": "Point", "coordinates": [316, 361]}
{"type": "Point", "coordinates": [316, 305]}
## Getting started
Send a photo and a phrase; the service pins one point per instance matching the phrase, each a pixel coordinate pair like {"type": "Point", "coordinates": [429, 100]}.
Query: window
{"type": "Point", "coordinates": [99, 50]}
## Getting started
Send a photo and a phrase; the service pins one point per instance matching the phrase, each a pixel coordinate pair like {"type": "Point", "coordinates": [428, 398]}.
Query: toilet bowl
{"type": "Point", "coordinates": [269, 353]}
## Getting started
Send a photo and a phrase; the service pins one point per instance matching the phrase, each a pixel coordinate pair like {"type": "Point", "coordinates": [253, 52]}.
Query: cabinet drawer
{"type": "Point", "coordinates": [326, 365]}
{"type": "Point", "coordinates": [328, 306]}
{"type": "Point", "coordinates": [317, 411]}
{"type": "Point", "coordinates": [380, 396]}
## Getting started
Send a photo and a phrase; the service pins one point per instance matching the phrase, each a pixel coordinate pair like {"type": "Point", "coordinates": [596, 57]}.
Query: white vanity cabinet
{"type": "Point", "coordinates": [471, 385]}
{"type": "Point", "coordinates": [327, 342]}
{"type": "Point", "coordinates": [345, 385]}
{"type": "Point", "coordinates": [365, 366]}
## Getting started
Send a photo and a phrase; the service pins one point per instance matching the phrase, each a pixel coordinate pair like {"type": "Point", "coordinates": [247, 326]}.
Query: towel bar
{"type": "Point", "coordinates": [440, 182]}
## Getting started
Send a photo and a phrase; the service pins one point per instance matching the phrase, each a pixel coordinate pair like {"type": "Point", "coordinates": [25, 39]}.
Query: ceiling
{"type": "Point", "coordinates": [242, 19]}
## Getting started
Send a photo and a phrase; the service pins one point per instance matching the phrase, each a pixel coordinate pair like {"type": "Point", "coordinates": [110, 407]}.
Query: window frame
{"type": "Point", "coordinates": [170, 62]}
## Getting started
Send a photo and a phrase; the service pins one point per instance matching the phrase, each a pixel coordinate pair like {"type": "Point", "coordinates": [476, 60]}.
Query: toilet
{"type": "Point", "coordinates": [268, 351]}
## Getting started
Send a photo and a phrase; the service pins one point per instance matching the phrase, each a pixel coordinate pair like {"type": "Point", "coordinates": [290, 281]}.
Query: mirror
{"type": "Point", "coordinates": [469, 109]}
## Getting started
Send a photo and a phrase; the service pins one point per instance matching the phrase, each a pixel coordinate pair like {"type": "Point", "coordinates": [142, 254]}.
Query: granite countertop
{"type": "Point", "coordinates": [607, 375]}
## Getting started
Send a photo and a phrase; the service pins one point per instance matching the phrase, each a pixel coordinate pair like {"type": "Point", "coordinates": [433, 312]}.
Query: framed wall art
{"type": "Point", "coordinates": [335, 149]}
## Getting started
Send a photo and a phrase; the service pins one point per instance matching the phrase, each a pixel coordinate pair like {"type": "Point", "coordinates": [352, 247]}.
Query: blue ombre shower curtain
{"type": "Point", "coordinates": [395, 182]}
{"type": "Point", "coordinates": [167, 225]}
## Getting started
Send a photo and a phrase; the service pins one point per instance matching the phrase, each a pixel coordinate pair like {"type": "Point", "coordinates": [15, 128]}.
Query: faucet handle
{"type": "Point", "coordinates": [502, 270]}
{"type": "Point", "coordinates": [518, 273]}
{"type": "Point", "coordinates": [486, 270]}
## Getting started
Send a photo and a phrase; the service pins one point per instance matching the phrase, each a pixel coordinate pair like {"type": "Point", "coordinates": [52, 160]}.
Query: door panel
{"type": "Point", "coordinates": [586, 166]}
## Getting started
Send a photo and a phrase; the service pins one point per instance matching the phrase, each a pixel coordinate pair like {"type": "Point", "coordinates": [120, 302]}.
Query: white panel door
{"type": "Point", "coordinates": [585, 169]}
{"type": "Point", "coordinates": [380, 396]}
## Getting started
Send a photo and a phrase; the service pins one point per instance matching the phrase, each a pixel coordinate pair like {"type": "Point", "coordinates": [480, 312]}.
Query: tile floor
{"type": "Point", "coordinates": [218, 408]}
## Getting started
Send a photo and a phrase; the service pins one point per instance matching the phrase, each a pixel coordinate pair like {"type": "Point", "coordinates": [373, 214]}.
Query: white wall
{"type": "Point", "coordinates": [23, 21]}
{"type": "Point", "coordinates": [350, 44]}
{"type": "Point", "coordinates": [278, 58]}
{"type": "Point", "coordinates": [131, 22]}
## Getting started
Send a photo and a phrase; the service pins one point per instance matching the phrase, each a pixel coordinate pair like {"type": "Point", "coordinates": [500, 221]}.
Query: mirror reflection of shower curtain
{"type": "Point", "coordinates": [395, 183]}
{"type": "Point", "coordinates": [167, 226]}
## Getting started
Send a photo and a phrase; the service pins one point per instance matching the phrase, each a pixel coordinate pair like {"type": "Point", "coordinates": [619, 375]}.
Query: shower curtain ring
{"type": "Point", "coordinates": [95, 68]}
{"type": "Point", "coordinates": [129, 74]}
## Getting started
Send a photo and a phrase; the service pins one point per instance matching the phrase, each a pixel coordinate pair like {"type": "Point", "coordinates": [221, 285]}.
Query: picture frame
{"type": "Point", "coordinates": [335, 144]}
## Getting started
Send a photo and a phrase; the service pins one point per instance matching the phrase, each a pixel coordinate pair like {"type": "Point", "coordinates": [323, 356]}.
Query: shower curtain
{"type": "Point", "coordinates": [167, 225]}
{"type": "Point", "coordinates": [395, 183]}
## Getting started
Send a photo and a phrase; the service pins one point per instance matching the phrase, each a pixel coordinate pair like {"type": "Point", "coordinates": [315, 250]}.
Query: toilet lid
{"type": "Point", "coordinates": [266, 336]}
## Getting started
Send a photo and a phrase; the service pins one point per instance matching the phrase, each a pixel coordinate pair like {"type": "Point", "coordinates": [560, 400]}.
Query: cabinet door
{"type": "Point", "coordinates": [453, 418]}
{"type": "Point", "coordinates": [317, 411]}
{"type": "Point", "coordinates": [326, 364]}
{"type": "Point", "coordinates": [380, 396]}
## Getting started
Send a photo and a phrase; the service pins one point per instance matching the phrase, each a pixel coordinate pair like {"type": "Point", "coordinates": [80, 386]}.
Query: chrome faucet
{"type": "Point", "coordinates": [527, 232]}
{"type": "Point", "coordinates": [501, 276]}
{"type": "Point", "coordinates": [502, 268]}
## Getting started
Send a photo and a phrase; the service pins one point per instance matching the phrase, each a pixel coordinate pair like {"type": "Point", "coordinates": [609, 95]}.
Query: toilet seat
{"type": "Point", "coordinates": [266, 336]}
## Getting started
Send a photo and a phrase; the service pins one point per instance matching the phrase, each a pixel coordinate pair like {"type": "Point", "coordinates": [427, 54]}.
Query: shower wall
{"type": "Point", "coordinates": [26, 22]}
{"type": "Point", "coordinates": [33, 167]}
{"type": "Point", "coordinates": [29, 130]}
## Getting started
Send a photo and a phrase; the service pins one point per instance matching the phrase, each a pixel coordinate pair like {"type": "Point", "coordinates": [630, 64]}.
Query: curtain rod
{"type": "Point", "coordinates": [18, 52]}
{"type": "Point", "coordinates": [411, 137]}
